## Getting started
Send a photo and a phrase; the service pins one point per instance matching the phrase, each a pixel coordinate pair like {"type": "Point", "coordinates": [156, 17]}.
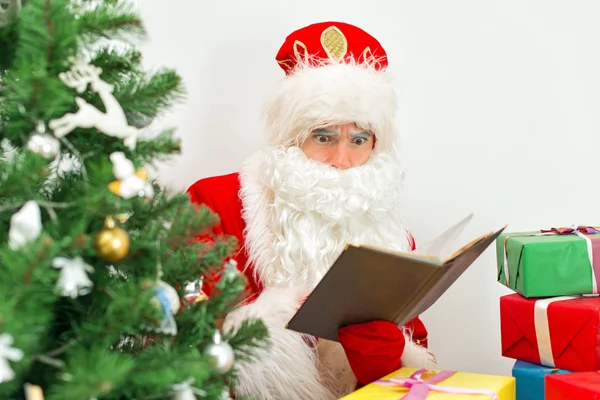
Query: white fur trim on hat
{"type": "Point", "coordinates": [315, 96]}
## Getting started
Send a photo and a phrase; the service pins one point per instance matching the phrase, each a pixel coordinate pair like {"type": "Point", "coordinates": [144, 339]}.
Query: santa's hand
{"type": "Point", "coordinates": [374, 349]}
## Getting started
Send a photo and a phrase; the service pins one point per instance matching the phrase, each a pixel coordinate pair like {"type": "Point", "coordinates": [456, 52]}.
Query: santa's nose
{"type": "Point", "coordinates": [341, 158]}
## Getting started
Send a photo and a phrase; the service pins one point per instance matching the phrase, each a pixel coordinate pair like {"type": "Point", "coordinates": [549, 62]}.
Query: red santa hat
{"type": "Point", "coordinates": [336, 73]}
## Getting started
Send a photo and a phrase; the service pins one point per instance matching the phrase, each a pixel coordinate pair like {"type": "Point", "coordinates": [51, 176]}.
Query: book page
{"type": "Point", "coordinates": [444, 245]}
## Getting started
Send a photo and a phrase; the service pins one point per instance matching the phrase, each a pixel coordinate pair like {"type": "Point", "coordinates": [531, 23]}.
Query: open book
{"type": "Point", "coordinates": [368, 283]}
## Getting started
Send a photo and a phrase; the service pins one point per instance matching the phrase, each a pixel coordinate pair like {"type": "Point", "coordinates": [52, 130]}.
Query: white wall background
{"type": "Point", "coordinates": [500, 106]}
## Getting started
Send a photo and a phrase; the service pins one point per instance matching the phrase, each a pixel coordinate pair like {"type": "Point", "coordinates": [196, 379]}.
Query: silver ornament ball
{"type": "Point", "coordinates": [221, 353]}
{"type": "Point", "coordinates": [44, 144]}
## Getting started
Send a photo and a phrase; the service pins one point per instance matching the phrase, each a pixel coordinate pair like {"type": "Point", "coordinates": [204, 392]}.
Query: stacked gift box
{"type": "Point", "coordinates": [550, 326]}
{"type": "Point", "coordinates": [410, 383]}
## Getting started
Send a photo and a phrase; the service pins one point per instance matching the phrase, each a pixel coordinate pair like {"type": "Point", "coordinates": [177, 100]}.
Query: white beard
{"type": "Point", "coordinates": [300, 214]}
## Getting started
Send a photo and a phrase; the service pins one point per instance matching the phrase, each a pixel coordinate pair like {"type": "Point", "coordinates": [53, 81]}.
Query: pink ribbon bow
{"type": "Point", "coordinates": [569, 230]}
{"type": "Point", "coordinates": [419, 388]}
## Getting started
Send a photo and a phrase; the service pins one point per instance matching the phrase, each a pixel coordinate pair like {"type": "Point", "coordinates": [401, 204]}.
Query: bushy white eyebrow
{"type": "Point", "coordinates": [325, 132]}
{"type": "Point", "coordinates": [361, 134]}
{"type": "Point", "coordinates": [328, 132]}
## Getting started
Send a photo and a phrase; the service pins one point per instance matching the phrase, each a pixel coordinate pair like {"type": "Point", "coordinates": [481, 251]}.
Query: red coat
{"type": "Point", "coordinates": [221, 194]}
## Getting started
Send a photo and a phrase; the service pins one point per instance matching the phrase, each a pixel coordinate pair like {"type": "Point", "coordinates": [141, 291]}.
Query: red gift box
{"type": "Point", "coordinates": [561, 332]}
{"type": "Point", "coordinates": [578, 386]}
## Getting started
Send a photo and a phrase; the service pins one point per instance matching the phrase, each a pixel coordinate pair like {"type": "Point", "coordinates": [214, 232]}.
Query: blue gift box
{"type": "Point", "coordinates": [530, 379]}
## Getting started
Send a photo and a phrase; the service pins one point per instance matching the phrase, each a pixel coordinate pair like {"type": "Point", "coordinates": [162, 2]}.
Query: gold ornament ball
{"type": "Point", "coordinates": [112, 244]}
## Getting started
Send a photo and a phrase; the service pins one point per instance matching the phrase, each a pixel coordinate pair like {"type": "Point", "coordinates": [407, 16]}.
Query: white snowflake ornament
{"type": "Point", "coordinates": [112, 123]}
{"type": "Point", "coordinates": [8, 353]}
{"type": "Point", "coordinates": [25, 225]}
{"type": "Point", "coordinates": [73, 280]}
{"type": "Point", "coordinates": [130, 183]}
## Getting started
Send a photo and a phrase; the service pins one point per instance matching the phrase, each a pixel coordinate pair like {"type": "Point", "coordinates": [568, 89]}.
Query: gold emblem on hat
{"type": "Point", "coordinates": [334, 42]}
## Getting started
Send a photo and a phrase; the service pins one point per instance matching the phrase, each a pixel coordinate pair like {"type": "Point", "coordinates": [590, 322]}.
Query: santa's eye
{"type": "Point", "coordinates": [322, 138]}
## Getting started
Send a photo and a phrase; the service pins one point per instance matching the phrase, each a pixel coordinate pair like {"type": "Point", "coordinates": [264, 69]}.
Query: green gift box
{"type": "Point", "coordinates": [550, 263]}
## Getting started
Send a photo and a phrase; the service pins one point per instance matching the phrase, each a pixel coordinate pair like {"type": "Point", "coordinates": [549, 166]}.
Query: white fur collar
{"type": "Point", "coordinates": [300, 213]}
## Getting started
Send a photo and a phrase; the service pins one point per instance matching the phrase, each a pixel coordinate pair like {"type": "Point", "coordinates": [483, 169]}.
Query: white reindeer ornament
{"type": "Point", "coordinates": [112, 123]}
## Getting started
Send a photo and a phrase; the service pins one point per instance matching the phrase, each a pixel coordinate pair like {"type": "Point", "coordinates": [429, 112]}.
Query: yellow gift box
{"type": "Point", "coordinates": [503, 386]}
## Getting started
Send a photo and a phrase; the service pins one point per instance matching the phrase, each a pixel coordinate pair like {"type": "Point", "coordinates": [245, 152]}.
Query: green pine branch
{"type": "Point", "coordinates": [148, 96]}
{"type": "Point", "coordinates": [160, 148]}
{"type": "Point", "coordinates": [110, 21]}
{"type": "Point", "coordinates": [8, 39]}
{"type": "Point", "coordinates": [116, 64]}
{"type": "Point", "coordinates": [92, 373]}
{"type": "Point", "coordinates": [26, 300]}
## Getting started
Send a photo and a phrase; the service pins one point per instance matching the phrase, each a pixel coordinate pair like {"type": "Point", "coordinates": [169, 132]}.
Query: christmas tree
{"type": "Point", "coordinates": [100, 266]}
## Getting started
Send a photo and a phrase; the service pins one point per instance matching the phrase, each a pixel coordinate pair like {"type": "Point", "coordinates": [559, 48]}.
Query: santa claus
{"type": "Point", "coordinates": [328, 177]}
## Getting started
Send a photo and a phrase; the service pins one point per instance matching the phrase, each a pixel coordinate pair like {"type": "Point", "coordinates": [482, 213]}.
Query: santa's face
{"type": "Point", "coordinates": [340, 146]}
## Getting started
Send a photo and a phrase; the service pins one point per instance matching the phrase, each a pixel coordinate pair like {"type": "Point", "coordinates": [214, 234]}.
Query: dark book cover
{"type": "Point", "coordinates": [367, 283]}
